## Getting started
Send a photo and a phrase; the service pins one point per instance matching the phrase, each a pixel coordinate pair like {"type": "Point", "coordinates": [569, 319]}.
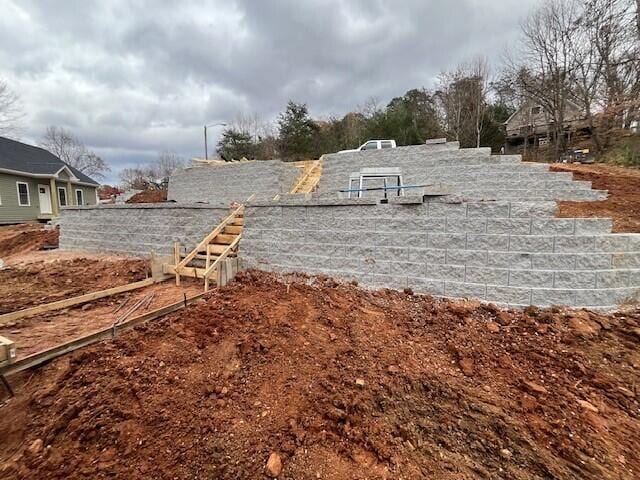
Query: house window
{"type": "Point", "coordinates": [536, 110]}
{"type": "Point", "coordinates": [23, 194]}
{"type": "Point", "coordinates": [79, 197]}
{"type": "Point", "coordinates": [62, 196]}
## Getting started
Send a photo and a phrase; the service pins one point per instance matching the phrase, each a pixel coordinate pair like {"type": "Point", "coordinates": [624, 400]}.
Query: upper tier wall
{"type": "Point", "coordinates": [232, 182]}
{"type": "Point", "coordinates": [510, 253]}
{"type": "Point", "coordinates": [136, 229]}
{"type": "Point", "coordinates": [472, 173]}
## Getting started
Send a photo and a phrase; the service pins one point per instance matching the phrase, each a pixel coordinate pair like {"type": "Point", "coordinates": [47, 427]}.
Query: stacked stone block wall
{"type": "Point", "coordinates": [233, 182]}
{"type": "Point", "coordinates": [510, 253]}
{"type": "Point", "coordinates": [136, 229]}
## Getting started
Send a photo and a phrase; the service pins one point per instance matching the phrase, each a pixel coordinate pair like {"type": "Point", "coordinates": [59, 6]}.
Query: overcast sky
{"type": "Point", "coordinates": [132, 78]}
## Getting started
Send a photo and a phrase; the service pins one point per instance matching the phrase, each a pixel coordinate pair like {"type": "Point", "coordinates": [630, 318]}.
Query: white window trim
{"type": "Point", "coordinates": [28, 194]}
{"type": "Point", "coordinates": [66, 197]}
{"type": "Point", "coordinates": [81, 196]}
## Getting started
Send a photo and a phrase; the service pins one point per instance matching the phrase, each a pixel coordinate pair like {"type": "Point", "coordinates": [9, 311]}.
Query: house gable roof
{"type": "Point", "coordinates": [19, 157]}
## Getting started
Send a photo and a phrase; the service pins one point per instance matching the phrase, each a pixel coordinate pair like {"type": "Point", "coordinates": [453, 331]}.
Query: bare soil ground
{"type": "Point", "coordinates": [336, 382]}
{"type": "Point", "coordinates": [37, 333]}
{"type": "Point", "coordinates": [149, 196]}
{"type": "Point", "coordinates": [52, 277]}
{"type": "Point", "coordinates": [623, 204]}
{"type": "Point", "coordinates": [26, 237]}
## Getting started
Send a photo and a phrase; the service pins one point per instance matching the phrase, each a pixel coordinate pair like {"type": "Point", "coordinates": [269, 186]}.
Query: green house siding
{"type": "Point", "coordinates": [12, 212]}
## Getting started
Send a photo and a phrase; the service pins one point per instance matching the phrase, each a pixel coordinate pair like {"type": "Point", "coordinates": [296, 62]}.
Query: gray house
{"type": "Point", "coordinates": [34, 184]}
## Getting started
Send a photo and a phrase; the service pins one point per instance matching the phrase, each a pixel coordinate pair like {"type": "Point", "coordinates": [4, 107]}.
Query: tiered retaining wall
{"type": "Point", "coordinates": [136, 229]}
{"type": "Point", "coordinates": [472, 173]}
{"type": "Point", "coordinates": [510, 253]}
{"type": "Point", "coordinates": [232, 182]}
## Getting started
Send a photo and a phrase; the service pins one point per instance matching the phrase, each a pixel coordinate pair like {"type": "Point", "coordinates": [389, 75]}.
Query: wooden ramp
{"type": "Point", "coordinates": [309, 177]}
{"type": "Point", "coordinates": [210, 256]}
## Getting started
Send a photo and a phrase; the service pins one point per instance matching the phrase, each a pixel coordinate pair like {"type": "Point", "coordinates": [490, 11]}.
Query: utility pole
{"type": "Point", "coordinates": [206, 152]}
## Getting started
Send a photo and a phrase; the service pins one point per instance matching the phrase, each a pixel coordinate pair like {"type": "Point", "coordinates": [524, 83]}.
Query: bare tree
{"type": "Point", "coordinates": [10, 111]}
{"type": "Point", "coordinates": [167, 163]}
{"type": "Point", "coordinates": [545, 62]}
{"type": "Point", "coordinates": [73, 152]}
{"type": "Point", "coordinates": [154, 175]}
{"type": "Point", "coordinates": [479, 71]}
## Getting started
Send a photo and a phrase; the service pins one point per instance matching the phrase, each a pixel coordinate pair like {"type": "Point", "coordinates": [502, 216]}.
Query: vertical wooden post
{"type": "Point", "coordinates": [207, 263]}
{"type": "Point", "coordinates": [176, 259]}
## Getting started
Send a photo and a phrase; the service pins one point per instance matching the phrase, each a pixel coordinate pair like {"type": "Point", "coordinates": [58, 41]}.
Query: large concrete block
{"type": "Point", "coordinates": [575, 279]}
{"type": "Point", "coordinates": [487, 242]}
{"type": "Point", "coordinates": [446, 272]}
{"type": "Point", "coordinates": [544, 297]}
{"type": "Point", "coordinates": [552, 226]}
{"type": "Point", "coordinates": [626, 260]}
{"type": "Point", "coordinates": [427, 286]}
{"type": "Point", "coordinates": [492, 276]}
{"type": "Point", "coordinates": [554, 261]}
{"type": "Point", "coordinates": [531, 244]}
{"type": "Point", "coordinates": [427, 255]}
{"type": "Point", "coordinates": [613, 279]}
{"type": "Point", "coordinates": [464, 290]}
{"type": "Point", "coordinates": [593, 261]}
{"type": "Point", "coordinates": [470, 225]}
{"type": "Point", "coordinates": [466, 257]}
{"type": "Point", "coordinates": [509, 295]}
{"type": "Point", "coordinates": [447, 240]}
{"type": "Point", "coordinates": [574, 244]}
{"type": "Point", "coordinates": [531, 278]}
{"type": "Point", "coordinates": [513, 226]}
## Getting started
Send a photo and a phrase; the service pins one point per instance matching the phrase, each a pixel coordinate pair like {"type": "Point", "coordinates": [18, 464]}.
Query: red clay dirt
{"type": "Point", "coordinates": [149, 196]}
{"type": "Point", "coordinates": [623, 204]}
{"type": "Point", "coordinates": [24, 285]}
{"type": "Point", "coordinates": [37, 333]}
{"type": "Point", "coordinates": [337, 382]}
{"type": "Point", "coordinates": [25, 237]}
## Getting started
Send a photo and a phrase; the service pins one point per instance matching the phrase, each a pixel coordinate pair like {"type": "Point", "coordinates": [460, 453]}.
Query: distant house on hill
{"type": "Point", "coordinates": [34, 184]}
{"type": "Point", "coordinates": [531, 126]}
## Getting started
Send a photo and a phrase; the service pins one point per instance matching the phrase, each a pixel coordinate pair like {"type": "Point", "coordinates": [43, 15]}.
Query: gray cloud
{"type": "Point", "coordinates": [134, 78]}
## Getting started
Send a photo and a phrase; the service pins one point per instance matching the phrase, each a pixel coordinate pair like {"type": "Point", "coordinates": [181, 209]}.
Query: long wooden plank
{"type": "Point", "coordinates": [192, 272]}
{"type": "Point", "coordinates": [69, 302]}
{"type": "Point", "coordinates": [106, 333]}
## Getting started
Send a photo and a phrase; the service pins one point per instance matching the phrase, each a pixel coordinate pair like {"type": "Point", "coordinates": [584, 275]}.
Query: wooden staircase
{"type": "Point", "coordinates": [220, 244]}
{"type": "Point", "coordinates": [309, 178]}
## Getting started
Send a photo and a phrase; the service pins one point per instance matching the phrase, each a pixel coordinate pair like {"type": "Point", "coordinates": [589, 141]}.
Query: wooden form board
{"type": "Point", "coordinates": [7, 351]}
{"type": "Point", "coordinates": [104, 334]}
{"type": "Point", "coordinates": [69, 302]}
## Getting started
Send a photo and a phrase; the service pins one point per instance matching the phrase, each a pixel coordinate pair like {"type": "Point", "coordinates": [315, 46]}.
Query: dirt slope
{"type": "Point", "coordinates": [26, 285]}
{"type": "Point", "coordinates": [26, 237]}
{"type": "Point", "coordinates": [623, 204]}
{"type": "Point", "coordinates": [340, 383]}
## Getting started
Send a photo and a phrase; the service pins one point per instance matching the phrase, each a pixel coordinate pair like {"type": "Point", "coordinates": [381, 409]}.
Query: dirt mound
{"type": "Point", "coordinates": [28, 237]}
{"type": "Point", "coordinates": [332, 381]}
{"type": "Point", "coordinates": [23, 286]}
{"type": "Point", "coordinates": [149, 196]}
{"type": "Point", "coordinates": [623, 204]}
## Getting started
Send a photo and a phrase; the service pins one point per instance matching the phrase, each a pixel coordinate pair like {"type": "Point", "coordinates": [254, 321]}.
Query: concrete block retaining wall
{"type": "Point", "coordinates": [136, 229]}
{"type": "Point", "coordinates": [476, 174]}
{"type": "Point", "coordinates": [510, 253]}
{"type": "Point", "coordinates": [233, 182]}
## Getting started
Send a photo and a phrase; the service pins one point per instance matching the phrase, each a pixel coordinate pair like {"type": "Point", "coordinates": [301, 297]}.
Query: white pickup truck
{"type": "Point", "coordinates": [372, 145]}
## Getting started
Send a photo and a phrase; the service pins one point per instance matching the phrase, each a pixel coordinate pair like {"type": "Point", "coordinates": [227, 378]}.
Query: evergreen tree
{"type": "Point", "coordinates": [297, 132]}
{"type": "Point", "coordinates": [234, 145]}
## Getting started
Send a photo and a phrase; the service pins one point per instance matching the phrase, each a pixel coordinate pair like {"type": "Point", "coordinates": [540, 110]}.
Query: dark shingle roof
{"type": "Point", "coordinates": [35, 160]}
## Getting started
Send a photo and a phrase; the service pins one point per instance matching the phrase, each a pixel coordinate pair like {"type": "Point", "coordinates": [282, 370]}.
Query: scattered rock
{"type": "Point", "coordinates": [503, 318]}
{"type": "Point", "coordinates": [542, 328]}
{"type": "Point", "coordinates": [528, 403]}
{"type": "Point", "coordinates": [582, 325]}
{"type": "Point", "coordinates": [493, 327]}
{"type": "Point", "coordinates": [506, 453]}
{"type": "Point", "coordinates": [360, 382]}
{"type": "Point", "coordinates": [588, 406]}
{"type": "Point", "coordinates": [534, 387]}
{"type": "Point", "coordinates": [274, 465]}
{"type": "Point", "coordinates": [467, 366]}
{"type": "Point", "coordinates": [36, 447]}
{"type": "Point", "coordinates": [86, 306]}
{"type": "Point", "coordinates": [393, 369]}
{"type": "Point", "coordinates": [408, 291]}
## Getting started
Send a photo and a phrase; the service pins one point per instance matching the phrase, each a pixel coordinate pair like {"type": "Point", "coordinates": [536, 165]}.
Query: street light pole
{"type": "Point", "coordinates": [206, 153]}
